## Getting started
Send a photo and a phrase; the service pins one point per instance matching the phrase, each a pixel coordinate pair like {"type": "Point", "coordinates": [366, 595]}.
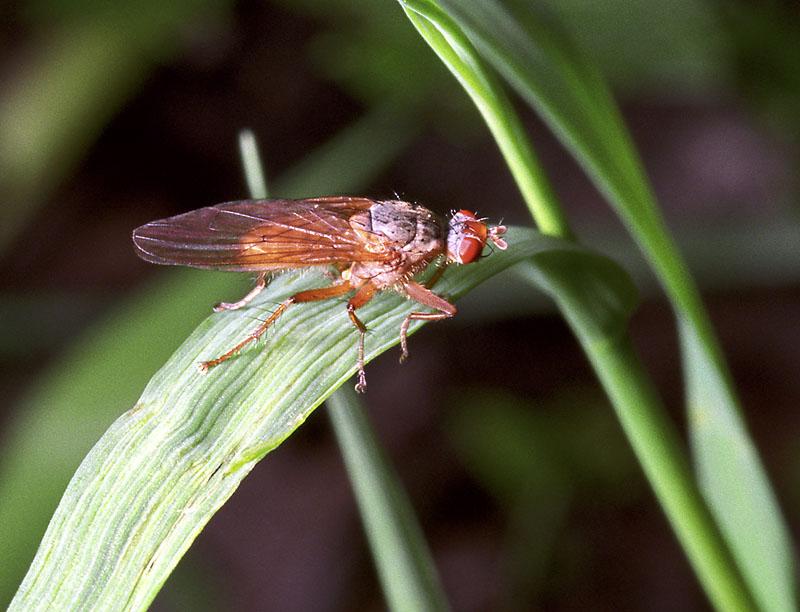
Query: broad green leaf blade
{"type": "Point", "coordinates": [91, 384]}
{"type": "Point", "coordinates": [404, 563]}
{"type": "Point", "coordinates": [104, 372]}
{"type": "Point", "coordinates": [160, 472]}
{"type": "Point", "coordinates": [564, 86]}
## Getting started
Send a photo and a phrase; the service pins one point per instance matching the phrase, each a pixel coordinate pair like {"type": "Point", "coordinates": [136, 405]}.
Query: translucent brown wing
{"type": "Point", "coordinates": [257, 235]}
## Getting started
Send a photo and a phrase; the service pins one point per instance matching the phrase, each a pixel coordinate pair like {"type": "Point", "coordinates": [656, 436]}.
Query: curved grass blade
{"type": "Point", "coordinates": [569, 279]}
{"type": "Point", "coordinates": [568, 91]}
{"type": "Point", "coordinates": [461, 58]}
{"type": "Point", "coordinates": [103, 373]}
{"type": "Point", "coordinates": [163, 468]}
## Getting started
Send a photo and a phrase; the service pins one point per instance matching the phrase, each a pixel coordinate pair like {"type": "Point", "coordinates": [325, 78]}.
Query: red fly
{"type": "Point", "coordinates": [373, 245]}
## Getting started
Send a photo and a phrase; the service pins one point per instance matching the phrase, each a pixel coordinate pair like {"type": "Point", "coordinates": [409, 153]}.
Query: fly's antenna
{"type": "Point", "coordinates": [494, 235]}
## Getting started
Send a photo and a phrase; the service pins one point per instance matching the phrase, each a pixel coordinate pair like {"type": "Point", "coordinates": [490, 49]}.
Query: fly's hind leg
{"type": "Point", "coordinates": [312, 295]}
{"type": "Point", "coordinates": [426, 297]}
{"type": "Point", "coordinates": [261, 282]}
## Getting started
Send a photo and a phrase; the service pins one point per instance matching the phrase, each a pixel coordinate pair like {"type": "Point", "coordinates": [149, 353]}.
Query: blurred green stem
{"type": "Point", "coordinates": [456, 51]}
{"type": "Point", "coordinates": [404, 562]}
{"type": "Point", "coordinates": [657, 447]}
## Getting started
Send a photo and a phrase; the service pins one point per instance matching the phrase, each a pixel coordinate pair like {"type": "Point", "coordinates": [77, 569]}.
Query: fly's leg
{"type": "Point", "coordinates": [424, 296]}
{"type": "Point", "coordinates": [261, 282]}
{"type": "Point", "coordinates": [312, 295]}
{"type": "Point", "coordinates": [362, 296]}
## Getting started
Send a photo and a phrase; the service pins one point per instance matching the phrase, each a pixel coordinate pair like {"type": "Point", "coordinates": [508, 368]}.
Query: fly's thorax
{"type": "Point", "coordinates": [407, 235]}
{"type": "Point", "coordinates": [398, 225]}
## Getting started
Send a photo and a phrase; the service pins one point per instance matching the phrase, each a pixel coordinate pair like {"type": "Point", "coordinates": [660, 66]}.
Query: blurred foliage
{"type": "Point", "coordinates": [764, 54]}
{"type": "Point", "coordinates": [541, 461]}
{"type": "Point", "coordinates": [671, 50]}
{"type": "Point", "coordinates": [369, 50]}
{"type": "Point", "coordinates": [83, 62]}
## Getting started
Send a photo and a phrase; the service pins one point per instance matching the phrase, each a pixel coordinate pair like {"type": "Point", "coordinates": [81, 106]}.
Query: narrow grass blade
{"type": "Point", "coordinates": [461, 58]}
{"type": "Point", "coordinates": [405, 567]}
{"type": "Point", "coordinates": [571, 279]}
{"type": "Point", "coordinates": [408, 575]}
{"type": "Point", "coordinates": [253, 170]}
{"type": "Point", "coordinates": [534, 56]}
{"type": "Point", "coordinates": [733, 479]}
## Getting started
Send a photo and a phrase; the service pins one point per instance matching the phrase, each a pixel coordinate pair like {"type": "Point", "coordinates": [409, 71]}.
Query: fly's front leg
{"type": "Point", "coordinates": [261, 282]}
{"type": "Point", "coordinates": [424, 296]}
{"type": "Point", "coordinates": [312, 295]}
{"type": "Point", "coordinates": [362, 296]}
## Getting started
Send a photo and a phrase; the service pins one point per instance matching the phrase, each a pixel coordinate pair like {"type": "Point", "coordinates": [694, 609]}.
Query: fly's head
{"type": "Point", "coordinates": [467, 235]}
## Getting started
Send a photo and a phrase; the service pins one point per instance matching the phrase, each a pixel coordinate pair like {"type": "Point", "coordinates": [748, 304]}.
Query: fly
{"type": "Point", "coordinates": [373, 245]}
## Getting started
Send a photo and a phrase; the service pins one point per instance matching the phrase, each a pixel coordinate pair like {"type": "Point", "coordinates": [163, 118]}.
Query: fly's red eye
{"type": "Point", "coordinates": [466, 238]}
{"type": "Point", "coordinates": [469, 249]}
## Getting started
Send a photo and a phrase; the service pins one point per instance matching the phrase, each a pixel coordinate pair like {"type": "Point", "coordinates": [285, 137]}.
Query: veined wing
{"type": "Point", "coordinates": [257, 235]}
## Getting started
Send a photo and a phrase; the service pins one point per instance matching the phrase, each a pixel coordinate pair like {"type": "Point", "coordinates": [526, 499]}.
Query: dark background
{"type": "Point", "coordinates": [109, 120]}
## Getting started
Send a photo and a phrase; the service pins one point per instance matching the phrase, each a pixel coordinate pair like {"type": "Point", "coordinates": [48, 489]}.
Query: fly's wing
{"type": "Point", "coordinates": [259, 235]}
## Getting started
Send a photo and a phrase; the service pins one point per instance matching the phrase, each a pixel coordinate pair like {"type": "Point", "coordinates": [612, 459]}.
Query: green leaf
{"type": "Point", "coordinates": [732, 477]}
{"type": "Point", "coordinates": [103, 373]}
{"type": "Point", "coordinates": [644, 419]}
{"type": "Point", "coordinates": [163, 468]}
{"type": "Point", "coordinates": [564, 86]}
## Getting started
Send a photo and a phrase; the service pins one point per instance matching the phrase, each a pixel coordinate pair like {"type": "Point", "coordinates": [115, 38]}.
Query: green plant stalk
{"type": "Point", "coordinates": [663, 460]}
{"type": "Point", "coordinates": [568, 91]}
{"type": "Point", "coordinates": [654, 440]}
{"type": "Point", "coordinates": [404, 563]}
{"type": "Point", "coordinates": [455, 50]}
{"type": "Point", "coordinates": [668, 471]}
